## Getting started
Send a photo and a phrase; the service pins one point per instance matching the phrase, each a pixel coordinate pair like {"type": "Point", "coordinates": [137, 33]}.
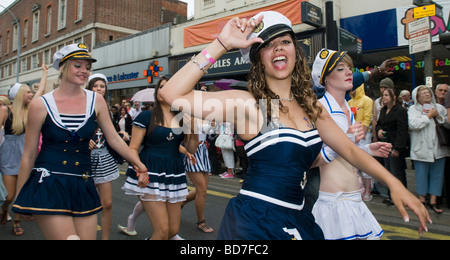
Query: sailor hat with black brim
{"type": "Point", "coordinates": [273, 25]}
{"type": "Point", "coordinates": [325, 62]}
{"type": "Point", "coordinates": [71, 52]}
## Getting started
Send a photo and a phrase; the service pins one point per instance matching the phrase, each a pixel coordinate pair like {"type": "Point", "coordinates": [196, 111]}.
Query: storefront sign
{"type": "Point", "coordinates": [207, 32]}
{"type": "Point", "coordinates": [419, 35]}
{"type": "Point", "coordinates": [229, 64]}
{"type": "Point", "coordinates": [131, 75]}
{"type": "Point", "coordinates": [311, 14]}
{"type": "Point", "coordinates": [424, 11]}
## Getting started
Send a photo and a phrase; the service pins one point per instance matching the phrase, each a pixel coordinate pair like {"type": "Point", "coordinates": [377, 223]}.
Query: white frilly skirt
{"type": "Point", "coordinates": [344, 216]}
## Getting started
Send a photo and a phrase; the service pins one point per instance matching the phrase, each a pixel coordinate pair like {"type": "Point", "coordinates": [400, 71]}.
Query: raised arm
{"type": "Point", "coordinates": [178, 91]}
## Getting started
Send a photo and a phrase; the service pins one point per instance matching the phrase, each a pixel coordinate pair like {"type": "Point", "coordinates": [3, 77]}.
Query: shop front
{"type": "Point", "coordinates": [385, 35]}
{"type": "Point", "coordinates": [126, 80]}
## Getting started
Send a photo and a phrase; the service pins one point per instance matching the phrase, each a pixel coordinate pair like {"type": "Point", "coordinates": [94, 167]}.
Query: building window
{"type": "Point", "coordinates": [79, 10]}
{"type": "Point", "coordinates": [6, 71]}
{"type": "Point", "coordinates": [15, 37]}
{"type": "Point", "coordinates": [1, 45]}
{"type": "Point", "coordinates": [36, 16]}
{"type": "Point", "coordinates": [14, 68]}
{"type": "Point", "coordinates": [24, 65]}
{"type": "Point", "coordinates": [62, 14]}
{"type": "Point", "coordinates": [34, 61]}
{"type": "Point", "coordinates": [25, 32]}
{"type": "Point", "coordinates": [47, 57]}
{"type": "Point", "coordinates": [48, 20]}
{"type": "Point", "coordinates": [8, 38]}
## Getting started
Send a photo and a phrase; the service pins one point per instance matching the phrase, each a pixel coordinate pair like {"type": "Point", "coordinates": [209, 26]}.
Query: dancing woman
{"type": "Point", "coordinates": [282, 141]}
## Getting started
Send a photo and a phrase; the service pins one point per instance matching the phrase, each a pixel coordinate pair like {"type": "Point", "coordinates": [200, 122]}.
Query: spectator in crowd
{"type": "Point", "coordinates": [392, 127]}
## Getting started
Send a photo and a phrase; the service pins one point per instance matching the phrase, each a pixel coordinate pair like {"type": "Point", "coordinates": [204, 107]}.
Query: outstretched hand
{"type": "Point", "coordinates": [403, 199]}
{"type": "Point", "coordinates": [235, 33]}
{"type": "Point", "coordinates": [380, 149]}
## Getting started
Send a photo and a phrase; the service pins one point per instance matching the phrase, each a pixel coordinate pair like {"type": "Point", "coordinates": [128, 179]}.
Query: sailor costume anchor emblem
{"type": "Point", "coordinates": [170, 137]}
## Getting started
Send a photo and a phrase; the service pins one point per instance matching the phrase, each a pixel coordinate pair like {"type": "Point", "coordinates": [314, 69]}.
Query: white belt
{"type": "Point", "coordinates": [272, 200]}
{"type": "Point", "coordinates": [46, 173]}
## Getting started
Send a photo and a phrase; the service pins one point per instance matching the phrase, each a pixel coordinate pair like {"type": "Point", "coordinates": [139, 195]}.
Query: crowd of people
{"type": "Point", "coordinates": [60, 172]}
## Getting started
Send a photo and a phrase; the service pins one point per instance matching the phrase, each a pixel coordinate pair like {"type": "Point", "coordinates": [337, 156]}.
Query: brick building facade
{"type": "Point", "coordinates": [48, 25]}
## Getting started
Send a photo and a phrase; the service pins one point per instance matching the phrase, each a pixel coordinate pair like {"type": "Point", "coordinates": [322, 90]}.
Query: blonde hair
{"type": "Point", "coordinates": [5, 100]}
{"type": "Point", "coordinates": [18, 125]}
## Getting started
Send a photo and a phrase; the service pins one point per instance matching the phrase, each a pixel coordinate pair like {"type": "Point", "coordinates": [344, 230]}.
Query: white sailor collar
{"type": "Point", "coordinates": [53, 112]}
{"type": "Point", "coordinates": [333, 108]}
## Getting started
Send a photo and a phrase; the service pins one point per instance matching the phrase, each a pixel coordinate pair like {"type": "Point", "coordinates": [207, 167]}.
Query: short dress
{"type": "Point", "coordinates": [203, 163]}
{"type": "Point", "coordinates": [104, 167]}
{"type": "Point", "coordinates": [61, 182]}
{"type": "Point", "coordinates": [164, 162]}
{"type": "Point", "coordinates": [270, 205]}
{"type": "Point", "coordinates": [11, 150]}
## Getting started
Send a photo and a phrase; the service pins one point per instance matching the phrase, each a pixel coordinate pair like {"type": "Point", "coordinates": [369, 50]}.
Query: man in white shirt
{"type": "Point", "coordinates": [136, 110]}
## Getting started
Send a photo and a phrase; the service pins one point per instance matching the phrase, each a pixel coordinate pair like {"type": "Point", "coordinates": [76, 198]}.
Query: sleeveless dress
{"type": "Point", "coordinates": [104, 167]}
{"type": "Point", "coordinates": [60, 182]}
{"type": "Point", "coordinates": [11, 150]}
{"type": "Point", "coordinates": [164, 162]}
{"type": "Point", "coordinates": [270, 205]}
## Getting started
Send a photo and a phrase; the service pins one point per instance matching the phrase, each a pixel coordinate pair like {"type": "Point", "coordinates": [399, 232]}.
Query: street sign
{"type": "Point", "coordinates": [424, 11]}
{"type": "Point", "coordinates": [419, 35]}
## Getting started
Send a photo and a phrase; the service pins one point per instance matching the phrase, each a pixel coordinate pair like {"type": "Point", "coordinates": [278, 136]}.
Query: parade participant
{"type": "Point", "coordinates": [161, 136]}
{"type": "Point", "coordinates": [198, 171]}
{"type": "Point", "coordinates": [339, 210]}
{"type": "Point", "coordinates": [56, 185]}
{"type": "Point", "coordinates": [282, 141]}
{"type": "Point", "coordinates": [104, 167]}
{"type": "Point", "coordinates": [14, 119]}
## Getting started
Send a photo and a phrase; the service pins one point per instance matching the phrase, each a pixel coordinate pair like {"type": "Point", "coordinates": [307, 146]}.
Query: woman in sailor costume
{"type": "Point", "coordinates": [160, 134]}
{"type": "Point", "coordinates": [339, 210]}
{"type": "Point", "coordinates": [56, 185]}
{"type": "Point", "coordinates": [280, 121]}
{"type": "Point", "coordinates": [104, 167]}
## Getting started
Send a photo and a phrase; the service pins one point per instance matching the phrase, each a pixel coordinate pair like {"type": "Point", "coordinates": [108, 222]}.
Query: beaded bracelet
{"type": "Point", "coordinates": [202, 65]}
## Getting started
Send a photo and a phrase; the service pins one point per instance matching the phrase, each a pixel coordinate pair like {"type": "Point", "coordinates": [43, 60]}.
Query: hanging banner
{"type": "Point", "coordinates": [207, 32]}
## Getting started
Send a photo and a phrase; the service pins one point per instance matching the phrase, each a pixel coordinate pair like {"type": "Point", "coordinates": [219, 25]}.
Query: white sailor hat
{"type": "Point", "coordinates": [325, 62]}
{"type": "Point", "coordinates": [273, 25]}
{"type": "Point", "coordinates": [71, 52]}
{"type": "Point", "coordinates": [13, 91]}
{"type": "Point", "coordinates": [98, 75]}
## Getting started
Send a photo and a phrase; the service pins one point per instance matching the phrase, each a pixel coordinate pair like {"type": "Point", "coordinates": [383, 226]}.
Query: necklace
{"type": "Point", "coordinates": [288, 99]}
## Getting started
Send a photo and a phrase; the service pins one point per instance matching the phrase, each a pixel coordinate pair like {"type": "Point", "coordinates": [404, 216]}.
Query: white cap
{"type": "Point", "coordinates": [272, 25]}
{"type": "Point", "coordinates": [13, 91]}
{"type": "Point", "coordinates": [325, 62]}
{"type": "Point", "coordinates": [98, 75]}
{"type": "Point", "coordinates": [71, 52]}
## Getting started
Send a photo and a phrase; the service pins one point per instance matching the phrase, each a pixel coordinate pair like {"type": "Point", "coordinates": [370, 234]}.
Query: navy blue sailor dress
{"type": "Point", "coordinates": [60, 182]}
{"type": "Point", "coordinates": [270, 205]}
{"type": "Point", "coordinates": [164, 162]}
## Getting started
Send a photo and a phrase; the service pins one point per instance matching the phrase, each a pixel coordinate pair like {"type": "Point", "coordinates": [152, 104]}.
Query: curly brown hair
{"type": "Point", "coordinates": [301, 86]}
